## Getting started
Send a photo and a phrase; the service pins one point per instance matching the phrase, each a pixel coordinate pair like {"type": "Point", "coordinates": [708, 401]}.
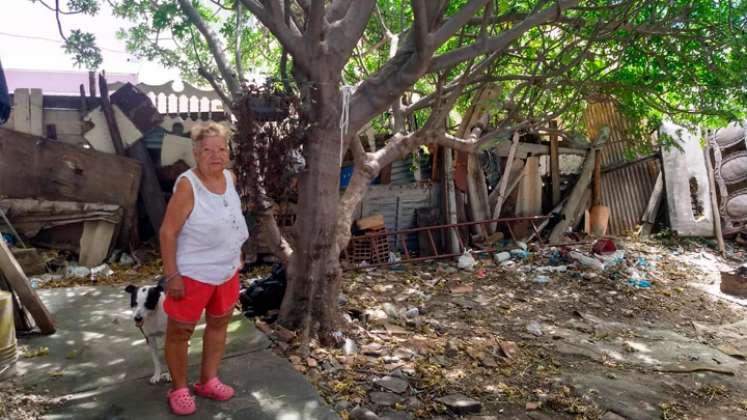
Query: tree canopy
{"type": "Point", "coordinates": [683, 58]}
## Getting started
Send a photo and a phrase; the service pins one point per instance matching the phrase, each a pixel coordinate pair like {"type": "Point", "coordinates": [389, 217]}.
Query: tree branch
{"type": "Point", "coordinates": [349, 29]}
{"type": "Point", "coordinates": [338, 10]}
{"type": "Point", "coordinates": [215, 46]}
{"type": "Point", "coordinates": [420, 27]}
{"type": "Point", "coordinates": [277, 243]}
{"type": "Point", "coordinates": [57, 16]}
{"type": "Point", "coordinates": [316, 22]}
{"type": "Point", "coordinates": [239, 12]}
{"type": "Point", "coordinates": [457, 21]}
{"type": "Point", "coordinates": [290, 38]}
{"type": "Point", "coordinates": [505, 39]}
{"type": "Point", "coordinates": [227, 102]}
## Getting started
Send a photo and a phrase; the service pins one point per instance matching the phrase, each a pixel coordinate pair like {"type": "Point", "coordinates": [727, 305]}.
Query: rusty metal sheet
{"type": "Point", "coordinates": [625, 190]}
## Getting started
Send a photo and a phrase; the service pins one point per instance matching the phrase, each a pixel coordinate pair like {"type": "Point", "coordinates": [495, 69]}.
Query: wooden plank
{"type": "Point", "coordinates": [574, 199]}
{"type": "Point", "coordinates": [450, 200]}
{"type": "Point", "coordinates": [504, 179]}
{"type": "Point", "coordinates": [554, 163]}
{"type": "Point", "coordinates": [111, 120]}
{"type": "Point", "coordinates": [21, 111]}
{"type": "Point", "coordinates": [95, 242]}
{"type": "Point", "coordinates": [529, 200]}
{"type": "Point", "coordinates": [20, 284]}
{"type": "Point", "coordinates": [477, 187]}
{"type": "Point", "coordinates": [370, 222]}
{"type": "Point", "coordinates": [654, 203]}
{"type": "Point", "coordinates": [150, 189]}
{"type": "Point", "coordinates": [56, 171]}
{"type": "Point", "coordinates": [714, 202]}
{"type": "Point", "coordinates": [36, 112]}
{"type": "Point", "coordinates": [530, 149]}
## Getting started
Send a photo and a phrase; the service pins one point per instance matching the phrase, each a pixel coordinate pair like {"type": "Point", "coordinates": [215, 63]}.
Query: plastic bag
{"type": "Point", "coordinates": [466, 261]}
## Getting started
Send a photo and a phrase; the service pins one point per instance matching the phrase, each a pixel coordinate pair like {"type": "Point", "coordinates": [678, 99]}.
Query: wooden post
{"type": "Point", "coordinates": [504, 179]}
{"type": "Point", "coordinates": [150, 188]}
{"type": "Point", "coordinates": [451, 210]}
{"type": "Point", "coordinates": [714, 202]}
{"type": "Point", "coordinates": [92, 84]}
{"type": "Point", "coordinates": [596, 188]}
{"type": "Point", "coordinates": [17, 280]}
{"type": "Point", "coordinates": [574, 199]}
{"type": "Point", "coordinates": [649, 215]}
{"type": "Point", "coordinates": [111, 120]}
{"type": "Point", "coordinates": [554, 163]}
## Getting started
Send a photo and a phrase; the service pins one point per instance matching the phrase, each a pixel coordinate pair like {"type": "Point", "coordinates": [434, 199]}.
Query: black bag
{"type": "Point", "coordinates": [264, 295]}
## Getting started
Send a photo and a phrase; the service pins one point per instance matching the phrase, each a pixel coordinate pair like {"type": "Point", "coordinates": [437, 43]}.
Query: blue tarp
{"type": "Point", "coordinates": [4, 98]}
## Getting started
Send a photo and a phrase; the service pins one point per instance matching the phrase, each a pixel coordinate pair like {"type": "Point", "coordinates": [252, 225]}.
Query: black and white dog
{"type": "Point", "coordinates": [149, 316]}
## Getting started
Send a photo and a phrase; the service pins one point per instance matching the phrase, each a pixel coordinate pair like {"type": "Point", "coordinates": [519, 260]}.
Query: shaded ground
{"type": "Point", "coordinates": [97, 366]}
{"type": "Point", "coordinates": [584, 345]}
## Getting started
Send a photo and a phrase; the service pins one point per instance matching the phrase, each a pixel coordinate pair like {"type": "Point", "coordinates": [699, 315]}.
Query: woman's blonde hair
{"type": "Point", "coordinates": [208, 129]}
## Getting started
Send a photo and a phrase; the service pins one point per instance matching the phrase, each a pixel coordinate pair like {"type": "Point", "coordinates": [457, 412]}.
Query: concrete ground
{"type": "Point", "coordinates": [100, 362]}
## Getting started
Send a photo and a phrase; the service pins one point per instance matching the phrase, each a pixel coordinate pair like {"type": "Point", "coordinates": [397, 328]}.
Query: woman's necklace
{"type": "Point", "coordinates": [222, 196]}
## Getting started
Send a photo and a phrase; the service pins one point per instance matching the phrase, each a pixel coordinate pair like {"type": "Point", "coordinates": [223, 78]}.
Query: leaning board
{"type": "Point", "coordinates": [35, 167]}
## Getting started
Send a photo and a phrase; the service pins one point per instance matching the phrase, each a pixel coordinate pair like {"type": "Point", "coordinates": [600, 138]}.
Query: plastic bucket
{"type": "Point", "coordinates": [8, 354]}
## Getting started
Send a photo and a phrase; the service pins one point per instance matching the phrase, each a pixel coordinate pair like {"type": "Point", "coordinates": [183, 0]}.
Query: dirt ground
{"type": "Point", "coordinates": [577, 343]}
{"type": "Point", "coordinates": [538, 336]}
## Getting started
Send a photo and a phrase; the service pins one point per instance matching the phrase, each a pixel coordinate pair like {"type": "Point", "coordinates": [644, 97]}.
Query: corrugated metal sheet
{"type": "Point", "coordinates": [397, 203]}
{"type": "Point", "coordinates": [626, 190]}
{"type": "Point", "coordinates": [401, 173]}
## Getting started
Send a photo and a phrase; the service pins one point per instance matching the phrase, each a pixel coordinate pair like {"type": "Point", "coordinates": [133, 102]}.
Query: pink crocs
{"type": "Point", "coordinates": [182, 403]}
{"type": "Point", "coordinates": [214, 389]}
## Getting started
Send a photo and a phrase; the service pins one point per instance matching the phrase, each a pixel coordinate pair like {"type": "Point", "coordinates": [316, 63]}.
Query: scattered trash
{"type": "Point", "coordinates": [636, 280]}
{"type": "Point", "coordinates": [501, 257]}
{"type": "Point", "coordinates": [604, 246]}
{"type": "Point", "coordinates": [77, 271]}
{"type": "Point", "coordinates": [542, 279]}
{"type": "Point", "coordinates": [466, 261]}
{"type": "Point", "coordinates": [395, 262]}
{"type": "Point", "coordinates": [9, 239]}
{"type": "Point", "coordinates": [519, 253]}
{"type": "Point", "coordinates": [612, 260]}
{"type": "Point", "coordinates": [101, 270]}
{"type": "Point", "coordinates": [391, 310]}
{"type": "Point", "coordinates": [587, 261]}
{"type": "Point", "coordinates": [552, 269]}
{"type": "Point", "coordinates": [412, 313]}
{"type": "Point", "coordinates": [126, 260]}
{"type": "Point", "coordinates": [535, 328]}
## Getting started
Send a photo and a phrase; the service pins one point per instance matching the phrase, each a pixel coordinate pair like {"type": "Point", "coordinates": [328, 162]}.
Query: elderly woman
{"type": "Point", "coordinates": [201, 238]}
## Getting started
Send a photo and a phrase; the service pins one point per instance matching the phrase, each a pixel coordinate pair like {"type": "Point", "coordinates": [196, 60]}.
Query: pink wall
{"type": "Point", "coordinates": [58, 82]}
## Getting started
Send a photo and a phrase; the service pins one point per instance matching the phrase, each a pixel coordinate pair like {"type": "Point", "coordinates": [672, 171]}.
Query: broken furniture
{"type": "Point", "coordinates": [729, 146]}
{"type": "Point", "coordinates": [85, 228]}
{"type": "Point", "coordinates": [47, 170]}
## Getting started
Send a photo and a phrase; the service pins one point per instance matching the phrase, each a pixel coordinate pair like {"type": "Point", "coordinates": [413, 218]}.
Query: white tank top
{"type": "Point", "coordinates": [208, 247]}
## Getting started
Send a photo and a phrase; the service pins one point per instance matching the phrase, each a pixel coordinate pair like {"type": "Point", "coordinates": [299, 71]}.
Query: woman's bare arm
{"type": "Point", "coordinates": [179, 207]}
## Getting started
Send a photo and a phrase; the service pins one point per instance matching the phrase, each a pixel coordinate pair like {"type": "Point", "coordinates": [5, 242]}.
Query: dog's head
{"type": "Point", "coordinates": [143, 300]}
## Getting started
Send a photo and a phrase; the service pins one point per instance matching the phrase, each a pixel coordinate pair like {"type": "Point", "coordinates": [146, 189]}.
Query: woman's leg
{"type": "Point", "coordinates": [213, 345]}
{"type": "Point", "coordinates": [177, 342]}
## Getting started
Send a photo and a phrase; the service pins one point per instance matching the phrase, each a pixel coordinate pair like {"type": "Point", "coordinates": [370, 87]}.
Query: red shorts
{"type": "Point", "coordinates": [217, 301]}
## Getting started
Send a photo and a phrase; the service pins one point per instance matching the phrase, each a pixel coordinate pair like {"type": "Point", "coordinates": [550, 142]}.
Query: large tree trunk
{"type": "Point", "coordinates": [313, 271]}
